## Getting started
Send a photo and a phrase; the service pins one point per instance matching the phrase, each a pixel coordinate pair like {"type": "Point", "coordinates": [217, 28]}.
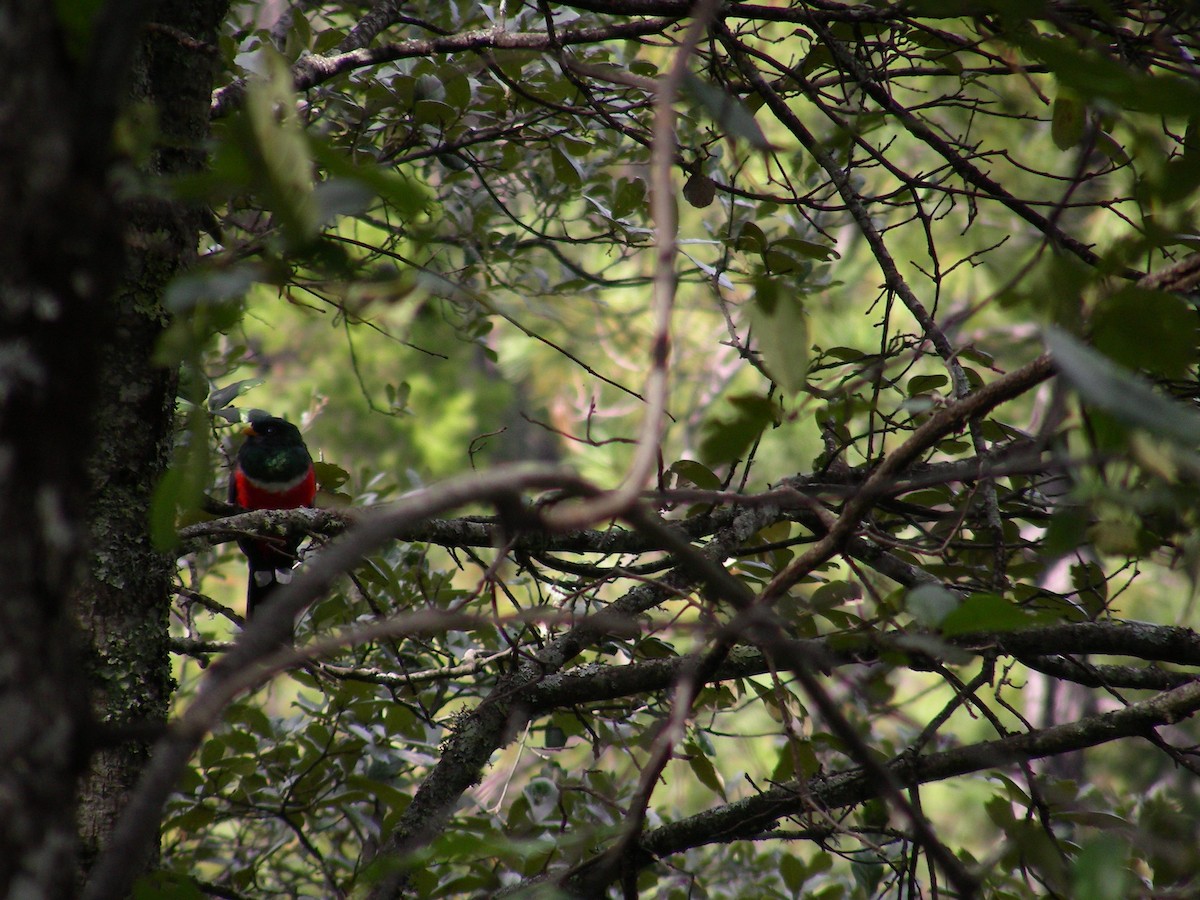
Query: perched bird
{"type": "Point", "coordinates": [273, 470]}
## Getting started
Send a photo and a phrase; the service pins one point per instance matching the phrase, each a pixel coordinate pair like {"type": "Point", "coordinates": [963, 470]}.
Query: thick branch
{"type": "Point", "coordinates": [1051, 645]}
{"type": "Point", "coordinates": [314, 70]}
{"type": "Point", "coordinates": [753, 815]}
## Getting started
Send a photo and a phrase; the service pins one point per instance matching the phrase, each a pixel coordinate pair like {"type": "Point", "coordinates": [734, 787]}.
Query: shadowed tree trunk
{"type": "Point", "coordinates": [124, 601]}
{"type": "Point", "coordinates": [59, 260]}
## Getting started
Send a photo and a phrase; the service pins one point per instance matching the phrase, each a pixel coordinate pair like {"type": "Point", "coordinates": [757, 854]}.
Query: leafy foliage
{"type": "Point", "coordinates": [891, 575]}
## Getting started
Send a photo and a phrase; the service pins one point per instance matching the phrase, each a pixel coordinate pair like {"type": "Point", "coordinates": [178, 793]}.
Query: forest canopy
{"type": "Point", "coordinates": [757, 451]}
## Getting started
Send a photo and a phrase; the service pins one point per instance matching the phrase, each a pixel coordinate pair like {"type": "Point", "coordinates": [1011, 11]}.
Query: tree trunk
{"type": "Point", "coordinates": [60, 256]}
{"type": "Point", "coordinates": [123, 603]}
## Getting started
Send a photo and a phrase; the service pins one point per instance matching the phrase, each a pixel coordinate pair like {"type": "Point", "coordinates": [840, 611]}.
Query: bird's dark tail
{"type": "Point", "coordinates": [261, 586]}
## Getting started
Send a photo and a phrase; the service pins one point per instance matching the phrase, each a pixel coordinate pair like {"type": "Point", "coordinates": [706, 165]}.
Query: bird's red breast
{"type": "Point", "coordinates": [253, 494]}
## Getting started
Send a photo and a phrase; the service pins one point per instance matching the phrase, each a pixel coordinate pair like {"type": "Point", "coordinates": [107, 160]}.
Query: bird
{"type": "Point", "coordinates": [272, 470]}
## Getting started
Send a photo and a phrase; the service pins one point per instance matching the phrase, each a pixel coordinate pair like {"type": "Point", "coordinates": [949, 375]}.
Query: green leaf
{"type": "Point", "coordinates": [833, 594]}
{"type": "Point", "coordinates": [77, 19]}
{"type": "Point", "coordinates": [406, 194]}
{"type": "Point", "coordinates": [1042, 852]}
{"type": "Point", "coordinates": [566, 170]}
{"type": "Point", "coordinates": [726, 440]}
{"type": "Point", "coordinates": [181, 489]}
{"type": "Point", "coordinates": [456, 89]}
{"type": "Point", "coordinates": [1090, 74]}
{"type": "Point", "coordinates": [1091, 586]}
{"type": "Point", "coordinates": [1119, 392]}
{"type": "Point", "coordinates": [1067, 529]}
{"type": "Point", "coordinates": [780, 328]}
{"type": "Point", "coordinates": [923, 384]}
{"type": "Point", "coordinates": [163, 885]}
{"type": "Point", "coordinates": [780, 263]}
{"type": "Point", "coordinates": [696, 473]}
{"type": "Point", "coordinates": [329, 476]}
{"type": "Point", "coordinates": [209, 285]}
{"type": "Point", "coordinates": [628, 197]}
{"type": "Point", "coordinates": [1143, 329]}
{"type": "Point", "coordinates": [279, 153]}
{"type": "Point", "coordinates": [845, 354]}
{"type": "Point", "coordinates": [221, 398]}
{"type": "Point", "coordinates": [727, 111]}
{"type": "Point", "coordinates": [1067, 120]}
{"type": "Point", "coordinates": [703, 769]}
{"type": "Point", "coordinates": [930, 604]}
{"type": "Point", "coordinates": [1101, 869]}
{"type": "Point", "coordinates": [999, 810]}
{"type": "Point", "coordinates": [750, 238]}
{"type": "Point", "coordinates": [793, 872]}
{"type": "Point", "coordinates": [985, 612]}
{"type": "Point", "coordinates": [163, 505]}
{"type": "Point", "coordinates": [806, 249]}
{"type": "Point", "coordinates": [555, 738]}
{"type": "Point", "coordinates": [341, 197]}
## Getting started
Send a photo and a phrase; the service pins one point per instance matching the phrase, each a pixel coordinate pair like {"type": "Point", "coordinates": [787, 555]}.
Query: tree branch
{"type": "Point", "coordinates": [138, 825]}
{"type": "Point", "coordinates": [504, 710]}
{"type": "Point", "coordinates": [752, 816]}
{"type": "Point", "coordinates": [312, 71]}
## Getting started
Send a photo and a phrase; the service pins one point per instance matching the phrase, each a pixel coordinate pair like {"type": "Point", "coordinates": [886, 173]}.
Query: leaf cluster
{"type": "Point", "coordinates": [899, 568]}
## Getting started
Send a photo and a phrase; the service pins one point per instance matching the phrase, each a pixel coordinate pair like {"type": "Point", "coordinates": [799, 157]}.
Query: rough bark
{"type": "Point", "coordinates": [59, 258]}
{"type": "Point", "coordinates": [124, 600]}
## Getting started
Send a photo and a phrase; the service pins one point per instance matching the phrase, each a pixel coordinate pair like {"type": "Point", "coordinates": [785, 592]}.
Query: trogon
{"type": "Point", "coordinates": [273, 470]}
